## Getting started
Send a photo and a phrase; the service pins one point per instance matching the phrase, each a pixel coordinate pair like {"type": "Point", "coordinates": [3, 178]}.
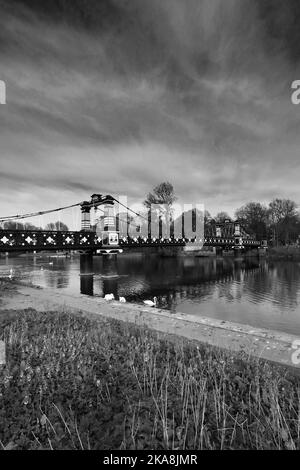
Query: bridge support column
{"type": "Point", "coordinates": [262, 251]}
{"type": "Point", "coordinates": [237, 252]}
{"type": "Point", "coordinates": [86, 274]}
{"type": "Point", "coordinates": [110, 275]}
{"type": "Point", "coordinates": [85, 216]}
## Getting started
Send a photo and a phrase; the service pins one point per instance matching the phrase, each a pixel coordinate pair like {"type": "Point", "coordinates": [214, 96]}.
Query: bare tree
{"type": "Point", "coordinates": [57, 226]}
{"type": "Point", "coordinates": [221, 217]}
{"type": "Point", "coordinates": [13, 225]}
{"type": "Point", "coordinates": [254, 218]}
{"type": "Point", "coordinates": [163, 195]}
{"type": "Point", "coordinates": [283, 219]}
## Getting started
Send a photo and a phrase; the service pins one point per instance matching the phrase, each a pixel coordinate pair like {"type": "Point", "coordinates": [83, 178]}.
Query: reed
{"type": "Point", "coordinates": [77, 383]}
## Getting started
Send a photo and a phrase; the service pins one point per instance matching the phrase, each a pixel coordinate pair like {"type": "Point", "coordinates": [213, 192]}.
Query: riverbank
{"type": "Point", "coordinates": [77, 377]}
{"type": "Point", "coordinates": [257, 342]}
{"type": "Point", "coordinates": [71, 382]}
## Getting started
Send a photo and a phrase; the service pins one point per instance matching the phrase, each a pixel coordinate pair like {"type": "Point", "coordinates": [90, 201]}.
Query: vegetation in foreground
{"type": "Point", "coordinates": [76, 383]}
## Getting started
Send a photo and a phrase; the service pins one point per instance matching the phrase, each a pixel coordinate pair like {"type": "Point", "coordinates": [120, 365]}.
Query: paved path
{"type": "Point", "coordinates": [266, 344]}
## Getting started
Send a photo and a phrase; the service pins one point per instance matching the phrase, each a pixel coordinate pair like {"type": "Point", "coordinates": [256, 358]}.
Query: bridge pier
{"type": "Point", "coordinates": [219, 250]}
{"type": "Point", "coordinates": [86, 273]}
{"type": "Point", "coordinates": [110, 274]}
{"type": "Point", "coordinates": [251, 251]}
{"type": "Point", "coordinates": [110, 263]}
{"type": "Point", "coordinates": [237, 252]}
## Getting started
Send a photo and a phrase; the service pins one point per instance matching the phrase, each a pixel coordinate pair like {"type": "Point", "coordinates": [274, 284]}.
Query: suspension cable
{"type": "Point", "coordinates": [128, 208]}
{"type": "Point", "coordinates": [128, 222]}
{"type": "Point", "coordinates": [34, 214]}
{"type": "Point", "coordinates": [40, 213]}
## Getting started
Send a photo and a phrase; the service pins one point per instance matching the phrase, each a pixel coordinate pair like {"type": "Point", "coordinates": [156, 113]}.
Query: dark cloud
{"type": "Point", "coordinates": [116, 96]}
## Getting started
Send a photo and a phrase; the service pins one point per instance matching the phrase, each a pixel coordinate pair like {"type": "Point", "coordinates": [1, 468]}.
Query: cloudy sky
{"type": "Point", "coordinates": [115, 96]}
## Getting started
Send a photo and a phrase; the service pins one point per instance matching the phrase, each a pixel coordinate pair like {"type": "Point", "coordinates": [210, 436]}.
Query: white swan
{"type": "Point", "coordinates": [122, 300]}
{"type": "Point", "coordinates": [150, 303]}
{"type": "Point", "coordinates": [109, 297]}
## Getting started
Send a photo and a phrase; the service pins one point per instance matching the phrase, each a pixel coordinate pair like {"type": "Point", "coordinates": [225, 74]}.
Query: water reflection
{"type": "Point", "coordinates": [257, 292]}
{"type": "Point", "coordinates": [110, 275]}
{"type": "Point", "coordinates": [56, 274]}
{"type": "Point", "coordinates": [86, 275]}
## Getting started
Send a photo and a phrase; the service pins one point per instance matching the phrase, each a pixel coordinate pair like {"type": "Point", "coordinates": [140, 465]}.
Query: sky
{"type": "Point", "coordinates": [116, 96]}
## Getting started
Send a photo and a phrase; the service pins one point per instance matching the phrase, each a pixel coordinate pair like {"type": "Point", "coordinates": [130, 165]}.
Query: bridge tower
{"type": "Point", "coordinates": [238, 239]}
{"type": "Point", "coordinates": [109, 233]}
{"type": "Point", "coordinates": [86, 216]}
{"type": "Point", "coordinates": [110, 236]}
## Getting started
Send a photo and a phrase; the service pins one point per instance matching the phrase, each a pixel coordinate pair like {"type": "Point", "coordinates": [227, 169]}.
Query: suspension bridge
{"type": "Point", "coordinates": [115, 235]}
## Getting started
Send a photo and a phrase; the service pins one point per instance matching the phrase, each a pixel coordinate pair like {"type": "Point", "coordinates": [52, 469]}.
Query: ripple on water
{"type": "Point", "coordinates": [260, 294]}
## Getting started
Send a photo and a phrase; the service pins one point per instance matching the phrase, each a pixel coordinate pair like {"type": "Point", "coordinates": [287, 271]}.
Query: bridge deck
{"type": "Point", "coordinates": [28, 240]}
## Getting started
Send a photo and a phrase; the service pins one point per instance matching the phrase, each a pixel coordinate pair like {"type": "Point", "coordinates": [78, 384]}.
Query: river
{"type": "Point", "coordinates": [260, 293]}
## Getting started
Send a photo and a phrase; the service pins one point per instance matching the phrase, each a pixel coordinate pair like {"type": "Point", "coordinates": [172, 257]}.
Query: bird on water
{"type": "Point", "coordinates": [109, 297]}
{"type": "Point", "coordinates": [151, 303]}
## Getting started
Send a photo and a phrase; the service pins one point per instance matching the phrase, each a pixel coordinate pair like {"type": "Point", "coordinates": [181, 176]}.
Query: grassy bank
{"type": "Point", "coordinates": [75, 383]}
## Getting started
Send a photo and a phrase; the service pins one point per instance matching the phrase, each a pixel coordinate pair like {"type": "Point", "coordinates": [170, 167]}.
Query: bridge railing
{"type": "Point", "coordinates": [35, 240]}
{"type": "Point", "coordinates": [18, 240]}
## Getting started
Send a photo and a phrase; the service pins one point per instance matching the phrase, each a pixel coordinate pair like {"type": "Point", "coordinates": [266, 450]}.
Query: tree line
{"type": "Point", "coordinates": [52, 226]}
{"type": "Point", "coordinates": [278, 222]}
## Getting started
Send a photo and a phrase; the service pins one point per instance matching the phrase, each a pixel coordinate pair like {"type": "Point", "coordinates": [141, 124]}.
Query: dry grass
{"type": "Point", "coordinates": [74, 383]}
